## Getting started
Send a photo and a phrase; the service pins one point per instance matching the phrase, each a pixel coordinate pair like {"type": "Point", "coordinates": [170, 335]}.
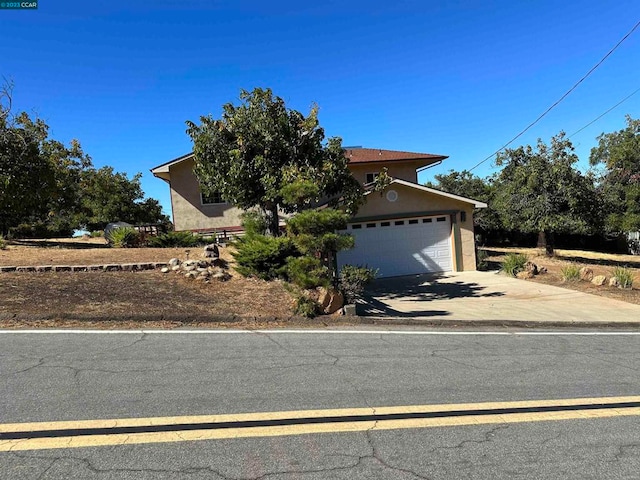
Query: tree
{"type": "Point", "coordinates": [108, 196]}
{"type": "Point", "coordinates": [539, 190]}
{"type": "Point", "coordinates": [619, 153]}
{"type": "Point", "coordinates": [263, 154]}
{"type": "Point", "coordinates": [468, 185]}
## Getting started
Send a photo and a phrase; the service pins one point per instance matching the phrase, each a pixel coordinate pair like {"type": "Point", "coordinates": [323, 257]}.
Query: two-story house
{"type": "Point", "coordinates": [406, 229]}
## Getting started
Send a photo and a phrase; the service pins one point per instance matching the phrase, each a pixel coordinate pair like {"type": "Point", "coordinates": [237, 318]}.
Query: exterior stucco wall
{"type": "Point", "coordinates": [415, 202]}
{"type": "Point", "coordinates": [188, 211]}
{"type": "Point", "coordinates": [402, 170]}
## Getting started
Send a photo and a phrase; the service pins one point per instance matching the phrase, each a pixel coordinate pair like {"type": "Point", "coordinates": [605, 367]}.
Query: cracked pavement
{"type": "Point", "coordinates": [78, 377]}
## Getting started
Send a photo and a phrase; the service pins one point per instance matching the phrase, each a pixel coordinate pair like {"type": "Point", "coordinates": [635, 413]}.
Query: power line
{"type": "Point", "coordinates": [603, 114]}
{"type": "Point", "coordinates": [560, 99]}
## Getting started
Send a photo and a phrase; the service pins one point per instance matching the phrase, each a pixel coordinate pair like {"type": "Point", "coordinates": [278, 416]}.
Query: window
{"type": "Point", "coordinates": [463, 216]}
{"type": "Point", "coordinates": [413, 222]}
{"type": "Point", "coordinates": [399, 222]}
{"type": "Point", "coordinates": [371, 177]}
{"type": "Point", "coordinates": [385, 224]}
{"type": "Point", "coordinates": [371, 225]}
{"type": "Point", "coordinates": [441, 219]}
{"type": "Point", "coordinates": [427, 220]}
{"type": "Point", "coordinates": [356, 226]}
{"type": "Point", "coordinates": [212, 199]}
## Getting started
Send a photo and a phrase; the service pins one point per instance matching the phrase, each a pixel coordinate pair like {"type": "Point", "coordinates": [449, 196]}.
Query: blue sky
{"type": "Point", "coordinates": [458, 78]}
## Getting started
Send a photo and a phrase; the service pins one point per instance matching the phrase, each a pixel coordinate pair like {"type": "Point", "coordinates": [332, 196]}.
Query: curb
{"type": "Point", "coordinates": [323, 321]}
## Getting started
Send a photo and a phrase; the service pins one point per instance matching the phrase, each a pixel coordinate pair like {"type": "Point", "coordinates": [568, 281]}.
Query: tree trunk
{"type": "Point", "coordinates": [274, 223]}
{"type": "Point", "coordinates": [546, 241]}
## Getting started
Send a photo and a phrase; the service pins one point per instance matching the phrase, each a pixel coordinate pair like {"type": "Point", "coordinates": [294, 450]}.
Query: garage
{"type": "Point", "coordinates": [403, 246]}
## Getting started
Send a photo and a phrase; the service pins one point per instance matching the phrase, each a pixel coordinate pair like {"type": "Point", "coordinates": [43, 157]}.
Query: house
{"type": "Point", "coordinates": [406, 229]}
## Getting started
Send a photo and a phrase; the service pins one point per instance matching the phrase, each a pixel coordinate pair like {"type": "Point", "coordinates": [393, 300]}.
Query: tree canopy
{"type": "Point", "coordinates": [46, 183]}
{"type": "Point", "coordinates": [540, 190]}
{"type": "Point", "coordinates": [619, 153]}
{"type": "Point", "coordinates": [263, 154]}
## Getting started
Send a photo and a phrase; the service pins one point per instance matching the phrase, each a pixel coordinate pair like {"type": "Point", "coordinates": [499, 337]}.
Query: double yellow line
{"type": "Point", "coordinates": [93, 433]}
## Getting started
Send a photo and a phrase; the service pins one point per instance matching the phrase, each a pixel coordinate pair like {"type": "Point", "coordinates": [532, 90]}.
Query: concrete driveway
{"type": "Point", "coordinates": [488, 296]}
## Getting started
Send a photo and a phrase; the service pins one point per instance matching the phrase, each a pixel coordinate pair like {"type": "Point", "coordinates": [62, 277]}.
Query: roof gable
{"type": "Point", "coordinates": [397, 181]}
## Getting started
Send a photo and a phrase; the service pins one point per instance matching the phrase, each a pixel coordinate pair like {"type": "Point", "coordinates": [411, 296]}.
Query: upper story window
{"type": "Point", "coordinates": [371, 177]}
{"type": "Point", "coordinates": [214, 198]}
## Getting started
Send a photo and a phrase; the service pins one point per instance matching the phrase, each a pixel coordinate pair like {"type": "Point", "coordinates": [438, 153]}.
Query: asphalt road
{"type": "Point", "coordinates": [72, 377]}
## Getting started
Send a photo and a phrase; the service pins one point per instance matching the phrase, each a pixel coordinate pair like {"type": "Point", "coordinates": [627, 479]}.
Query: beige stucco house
{"type": "Point", "coordinates": [406, 229]}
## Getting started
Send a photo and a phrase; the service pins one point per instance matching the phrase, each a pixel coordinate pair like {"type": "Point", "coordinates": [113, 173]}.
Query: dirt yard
{"type": "Point", "coordinates": [166, 298]}
{"type": "Point", "coordinates": [600, 263]}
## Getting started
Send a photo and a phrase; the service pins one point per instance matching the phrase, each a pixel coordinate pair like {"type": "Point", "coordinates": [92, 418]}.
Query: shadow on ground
{"type": "Point", "coordinates": [416, 288]}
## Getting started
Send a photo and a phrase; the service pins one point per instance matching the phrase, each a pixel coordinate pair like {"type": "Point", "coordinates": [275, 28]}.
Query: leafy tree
{"type": "Point", "coordinates": [108, 196]}
{"type": "Point", "coordinates": [263, 154]}
{"type": "Point", "coordinates": [540, 190]}
{"type": "Point", "coordinates": [468, 185]}
{"type": "Point", "coordinates": [619, 153]}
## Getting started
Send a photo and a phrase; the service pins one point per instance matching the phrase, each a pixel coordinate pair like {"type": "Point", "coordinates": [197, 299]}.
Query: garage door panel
{"type": "Point", "coordinates": [401, 249]}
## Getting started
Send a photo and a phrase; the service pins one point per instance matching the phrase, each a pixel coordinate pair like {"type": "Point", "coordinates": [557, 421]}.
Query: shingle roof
{"type": "Point", "coordinates": [367, 155]}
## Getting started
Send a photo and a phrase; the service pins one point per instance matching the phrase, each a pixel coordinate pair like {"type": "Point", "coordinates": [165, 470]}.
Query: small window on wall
{"type": "Point", "coordinates": [371, 225]}
{"type": "Point", "coordinates": [413, 222]}
{"type": "Point", "coordinates": [463, 217]}
{"type": "Point", "coordinates": [399, 222]}
{"type": "Point", "coordinates": [214, 198]}
{"type": "Point", "coordinates": [385, 224]}
{"type": "Point", "coordinates": [441, 219]}
{"type": "Point", "coordinates": [356, 226]}
{"type": "Point", "coordinates": [371, 177]}
{"type": "Point", "coordinates": [427, 220]}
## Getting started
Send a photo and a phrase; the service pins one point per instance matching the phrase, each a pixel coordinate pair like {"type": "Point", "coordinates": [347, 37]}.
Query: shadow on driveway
{"type": "Point", "coordinates": [381, 294]}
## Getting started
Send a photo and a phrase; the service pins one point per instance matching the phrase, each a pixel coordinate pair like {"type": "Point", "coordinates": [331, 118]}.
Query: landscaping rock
{"type": "Point", "coordinates": [542, 270]}
{"type": "Point", "coordinates": [221, 276]}
{"type": "Point", "coordinates": [160, 264]}
{"type": "Point", "coordinates": [62, 268]}
{"type": "Point", "coordinates": [599, 280]}
{"type": "Point", "coordinates": [174, 261]}
{"type": "Point", "coordinates": [165, 270]}
{"type": "Point", "coordinates": [329, 299]}
{"type": "Point", "coordinates": [25, 269]}
{"type": "Point", "coordinates": [114, 267]}
{"type": "Point", "coordinates": [175, 268]}
{"type": "Point", "coordinates": [94, 268]}
{"type": "Point", "coordinates": [531, 267]}
{"type": "Point", "coordinates": [586, 274]}
{"type": "Point", "coordinates": [7, 268]}
{"type": "Point", "coordinates": [79, 268]}
{"type": "Point", "coordinates": [128, 267]}
{"type": "Point", "coordinates": [211, 251]}
{"type": "Point", "coordinates": [202, 278]}
{"type": "Point", "coordinates": [44, 268]}
{"type": "Point", "coordinates": [525, 274]}
{"type": "Point", "coordinates": [349, 309]}
{"type": "Point", "coordinates": [614, 282]}
{"type": "Point", "coordinates": [188, 268]}
{"type": "Point", "coordinates": [144, 266]}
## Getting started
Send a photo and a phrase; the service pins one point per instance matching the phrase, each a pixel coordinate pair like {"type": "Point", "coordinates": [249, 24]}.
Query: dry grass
{"type": "Point", "coordinates": [148, 294]}
{"type": "Point", "coordinates": [600, 263]}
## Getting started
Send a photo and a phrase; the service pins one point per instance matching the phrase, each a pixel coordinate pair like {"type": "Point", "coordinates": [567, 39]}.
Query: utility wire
{"type": "Point", "coordinates": [602, 115]}
{"type": "Point", "coordinates": [560, 99]}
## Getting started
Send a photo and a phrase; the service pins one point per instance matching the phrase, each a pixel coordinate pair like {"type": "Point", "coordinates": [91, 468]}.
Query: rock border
{"type": "Point", "coordinates": [107, 267]}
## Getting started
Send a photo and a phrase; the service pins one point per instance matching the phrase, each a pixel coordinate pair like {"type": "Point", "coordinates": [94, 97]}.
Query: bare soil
{"type": "Point", "coordinates": [163, 299]}
{"type": "Point", "coordinates": [600, 263]}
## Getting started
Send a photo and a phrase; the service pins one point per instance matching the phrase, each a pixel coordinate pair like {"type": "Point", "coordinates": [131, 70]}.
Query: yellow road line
{"type": "Point", "coordinates": [302, 429]}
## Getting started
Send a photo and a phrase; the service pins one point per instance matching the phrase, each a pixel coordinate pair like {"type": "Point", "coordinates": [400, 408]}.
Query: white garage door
{"type": "Point", "coordinates": [401, 247]}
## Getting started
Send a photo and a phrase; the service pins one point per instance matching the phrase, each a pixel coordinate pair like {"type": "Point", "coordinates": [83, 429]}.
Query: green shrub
{"type": "Point", "coordinates": [307, 272]}
{"type": "Point", "coordinates": [513, 263]}
{"type": "Point", "coordinates": [353, 279]}
{"type": "Point", "coordinates": [176, 239]}
{"type": "Point", "coordinates": [3, 243]}
{"type": "Point", "coordinates": [263, 257]}
{"type": "Point", "coordinates": [254, 223]}
{"type": "Point", "coordinates": [124, 237]}
{"type": "Point", "coordinates": [624, 276]}
{"type": "Point", "coordinates": [481, 260]}
{"type": "Point", "coordinates": [570, 273]}
{"type": "Point", "coordinates": [306, 307]}
{"type": "Point", "coordinates": [54, 229]}
{"type": "Point", "coordinates": [96, 234]}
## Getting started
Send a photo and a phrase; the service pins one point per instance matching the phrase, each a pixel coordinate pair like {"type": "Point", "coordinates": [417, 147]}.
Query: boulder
{"type": "Point", "coordinates": [329, 299]}
{"type": "Point", "coordinates": [525, 274]}
{"type": "Point", "coordinates": [599, 280]}
{"type": "Point", "coordinates": [531, 267]}
{"type": "Point", "coordinates": [221, 276]}
{"type": "Point", "coordinates": [586, 274]}
{"type": "Point", "coordinates": [542, 270]}
{"type": "Point", "coordinates": [165, 270]}
{"type": "Point", "coordinates": [211, 251]}
{"type": "Point", "coordinates": [614, 282]}
{"type": "Point", "coordinates": [174, 261]}
{"type": "Point", "coordinates": [175, 268]}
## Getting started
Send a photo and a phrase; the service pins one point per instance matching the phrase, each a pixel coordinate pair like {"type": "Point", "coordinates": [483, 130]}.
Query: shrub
{"type": "Point", "coordinates": [624, 276]}
{"type": "Point", "coordinates": [263, 257]}
{"type": "Point", "coordinates": [481, 260]}
{"type": "Point", "coordinates": [306, 307]}
{"type": "Point", "coordinates": [570, 273]}
{"type": "Point", "coordinates": [176, 239]}
{"type": "Point", "coordinates": [513, 263]}
{"type": "Point", "coordinates": [353, 279]}
{"type": "Point", "coordinates": [58, 228]}
{"type": "Point", "coordinates": [307, 272]}
{"type": "Point", "coordinates": [254, 223]}
{"type": "Point", "coordinates": [3, 243]}
{"type": "Point", "coordinates": [124, 237]}
{"type": "Point", "coordinates": [96, 234]}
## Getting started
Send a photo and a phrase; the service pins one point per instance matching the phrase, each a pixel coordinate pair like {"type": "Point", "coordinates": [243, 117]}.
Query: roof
{"type": "Point", "coordinates": [417, 186]}
{"type": "Point", "coordinates": [369, 155]}
{"type": "Point", "coordinates": [354, 154]}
